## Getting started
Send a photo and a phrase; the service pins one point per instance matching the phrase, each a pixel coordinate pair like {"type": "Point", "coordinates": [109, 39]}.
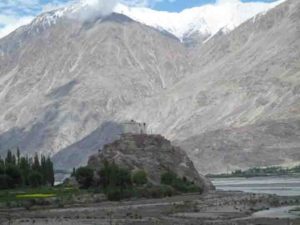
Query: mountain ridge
{"type": "Point", "coordinates": [195, 24]}
{"type": "Point", "coordinates": [60, 86]}
{"type": "Point", "coordinates": [202, 22]}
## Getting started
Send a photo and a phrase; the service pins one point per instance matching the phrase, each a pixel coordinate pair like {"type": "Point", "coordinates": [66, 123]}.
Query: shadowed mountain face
{"type": "Point", "coordinates": [232, 102]}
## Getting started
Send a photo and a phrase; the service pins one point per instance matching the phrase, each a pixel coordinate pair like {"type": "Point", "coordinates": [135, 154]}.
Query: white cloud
{"type": "Point", "coordinates": [93, 8]}
{"type": "Point", "coordinates": [16, 13]}
{"type": "Point", "coordinates": [13, 23]}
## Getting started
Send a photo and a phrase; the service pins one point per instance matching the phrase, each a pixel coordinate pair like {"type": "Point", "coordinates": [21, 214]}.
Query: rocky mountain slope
{"type": "Point", "coordinates": [243, 79]}
{"type": "Point", "coordinates": [65, 86]}
{"type": "Point", "coordinates": [61, 82]}
{"type": "Point", "coordinates": [152, 153]}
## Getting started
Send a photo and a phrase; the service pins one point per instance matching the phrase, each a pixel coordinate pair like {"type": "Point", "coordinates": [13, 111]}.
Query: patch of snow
{"type": "Point", "coordinates": [206, 20]}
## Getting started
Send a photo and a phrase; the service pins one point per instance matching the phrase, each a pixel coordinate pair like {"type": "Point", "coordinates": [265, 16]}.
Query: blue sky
{"type": "Point", "coordinates": [179, 5]}
{"type": "Point", "coordinates": [15, 13]}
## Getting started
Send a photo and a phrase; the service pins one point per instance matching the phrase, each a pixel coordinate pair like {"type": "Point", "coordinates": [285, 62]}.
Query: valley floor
{"type": "Point", "coordinates": [215, 208]}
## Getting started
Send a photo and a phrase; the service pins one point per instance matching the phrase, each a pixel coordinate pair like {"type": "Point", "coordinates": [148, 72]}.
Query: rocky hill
{"type": "Point", "coordinates": [151, 153]}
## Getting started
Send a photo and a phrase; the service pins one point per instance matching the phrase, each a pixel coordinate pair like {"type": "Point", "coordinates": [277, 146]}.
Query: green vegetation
{"type": "Point", "coordinates": [118, 183]}
{"type": "Point", "coordinates": [179, 184]}
{"type": "Point", "coordinates": [152, 191]}
{"type": "Point", "coordinates": [256, 172]}
{"type": "Point", "coordinates": [84, 177]}
{"type": "Point", "coordinates": [139, 177]}
{"type": "Point", "coordinates": [17, 171]}
{"type": "Point", "coordinates": [295, 169]}
{"type": "Point", "coordinates": [34, 196]}
{"type": "Point", "coordinates": [27, 193]}
{"type": "Point", "coordinates": [112, 176]}
{"type": "Point", "coordinates": [295, 209]}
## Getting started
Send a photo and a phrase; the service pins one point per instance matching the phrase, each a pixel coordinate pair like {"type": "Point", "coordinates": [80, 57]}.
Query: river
{"type": "Point", "coordinates": [282, 186]}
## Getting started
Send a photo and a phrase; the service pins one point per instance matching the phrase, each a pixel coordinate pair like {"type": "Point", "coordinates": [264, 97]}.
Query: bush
{"type": "Point", "coordinates": [168, 178]}
{"type": "Point", "coordinates": [114, 194]}
{"type": "Point", "coordinates": [167, 191]}
{"type": "Point", "coordinates": [155, 191]}
{"type": "Point", "coordinates": [179, 184]}
{"type": "Point", "coordinates": [139, 178]}
{"type": "Point", "coordinates": [84, 176]}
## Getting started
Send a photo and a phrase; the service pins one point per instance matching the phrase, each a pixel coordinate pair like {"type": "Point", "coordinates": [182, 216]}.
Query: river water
{"type": "Point", "coordinates": [282, 186]}
{"type": "Point", "coordinates": [280, 212]}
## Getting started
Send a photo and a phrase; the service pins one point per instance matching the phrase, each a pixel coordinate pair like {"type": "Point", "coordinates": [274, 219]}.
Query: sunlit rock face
{"type": "Point", "coordinates": [59, 83]}
{"type": "Point", "coordinates": [231, 102]}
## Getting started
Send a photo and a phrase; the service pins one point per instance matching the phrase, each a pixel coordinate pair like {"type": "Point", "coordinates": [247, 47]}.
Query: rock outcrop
{"type": "Point", "coordinates": [152, 153]}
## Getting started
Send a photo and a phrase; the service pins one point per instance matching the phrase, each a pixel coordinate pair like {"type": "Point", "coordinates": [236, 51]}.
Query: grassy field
{"type": "Point", "coordinates": [39, 193]}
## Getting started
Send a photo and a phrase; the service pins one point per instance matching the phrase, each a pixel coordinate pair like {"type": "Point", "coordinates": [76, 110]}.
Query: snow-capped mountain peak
{"type": "Point", "coordinates": [205, 20]}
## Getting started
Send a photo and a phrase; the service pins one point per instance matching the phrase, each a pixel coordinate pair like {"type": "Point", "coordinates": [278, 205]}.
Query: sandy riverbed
{"type": "Point", "coordinates": [215, 208]}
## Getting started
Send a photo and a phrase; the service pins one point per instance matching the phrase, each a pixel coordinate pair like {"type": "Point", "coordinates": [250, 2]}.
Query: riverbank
{"type": "Point", "coordinates": [219, 208]}
{"type": "Point", "coordinates": [282, 185]}
{"type": "Point", "coordinates": [274, 171]}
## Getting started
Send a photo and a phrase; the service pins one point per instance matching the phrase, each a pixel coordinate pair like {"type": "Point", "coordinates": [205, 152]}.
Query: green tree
{"type": "Point", "coordinates": [104, 174]}
{"type": "Point", "coordinates": [2, 166]}
{"type": "Point", "coordinates": [14, 173]}
{"type": "Point", "coordinates": [111, 175]}
{"type": "Point", "coordinates": [25, 168]}
{"type": "Point", "coordinates": [49, 171]}
{"type": "Point", "coordinates": [35, 179]}
{"type": "Point", "coordinates": [10, 159]}
{"type": "Point", "coordinates": [18, 156]}
{"type": "Point", "coordinates": [168, 178]}
{"type": "Point", "coordinates": [73, 172]}
{"type": "Point", "coordinates": [36, 166]}
{"type": "Point", "coordinates": [84, 176]}
{"type": "Point", "coordinates": [139, 177]}
{"type": "Point", "coordinates": [121, 178]}
{"type": "Point", "coordinates": [179, 184]}
{"type": "Point", "coordinates": [17, 170]}
{"type": "Point", "coordinates": [43, 170]}
{"type": "Point", "coordinates": [114, 194]}
{"type": "Point", "coordinates": [4, 181]}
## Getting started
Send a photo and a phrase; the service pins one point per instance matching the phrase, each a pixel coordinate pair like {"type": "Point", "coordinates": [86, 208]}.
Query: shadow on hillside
{"type": "Point", "coordinates": [79, 152]}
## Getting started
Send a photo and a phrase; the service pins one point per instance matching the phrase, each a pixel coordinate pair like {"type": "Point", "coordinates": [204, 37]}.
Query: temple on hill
{"type": "Point", "coordinates": [133, 127]}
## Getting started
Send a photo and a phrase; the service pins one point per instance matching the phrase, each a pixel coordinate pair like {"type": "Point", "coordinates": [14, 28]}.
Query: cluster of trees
{"type": "Point", "coordinates": [257, 171]}
{"type": "Point", "coordinates": [21, 171]}
{"type": "Point", "coordinates": [114, 181]}
{"type": "Point", "coordinates": [118, 183]}
{"type": "Point", "coordinates": [295, 169]}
